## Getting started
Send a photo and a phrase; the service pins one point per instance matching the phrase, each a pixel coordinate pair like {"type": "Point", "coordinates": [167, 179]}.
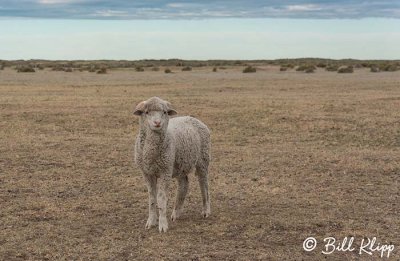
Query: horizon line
{"type": "Point", "coordinates": [199, 60]}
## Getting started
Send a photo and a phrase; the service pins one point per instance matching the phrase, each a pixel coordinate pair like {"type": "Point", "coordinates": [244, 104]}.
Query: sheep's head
{"type": "Point", "coordinates": [155, 113]}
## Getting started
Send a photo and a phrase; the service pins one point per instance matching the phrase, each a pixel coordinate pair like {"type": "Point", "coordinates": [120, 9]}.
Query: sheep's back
{"type": "Point", "coordinates": [191, 140]}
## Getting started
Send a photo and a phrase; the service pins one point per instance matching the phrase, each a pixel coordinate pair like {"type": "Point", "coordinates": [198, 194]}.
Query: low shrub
{"type": "Point", "coordinates": [389, 67]}
{"type": "Point", "coordinates": [139, 69]}
{"type": "Point", "coordinates": [301, 68]}
{"type": "Point", "coordinates": [25, 69]}
{"type": "Point", "coordinates": [214, 69]}
{"type": "Point", "coordinates": [282, 69]}
{"type": "Point", "coordinates": [167, 70]}
{"type": "Point", "coordinates": [332, 68]}
{"type": "Point", "coordinates": [155, 69]}
{"type": "Point", "coordinates": [102, 71]}
{"type": "Point", "coordinates": [249, 69]}
{"type": "Point", "coordinates": [187, 68]}
{"type": "Point", "coordinates": [305, 67]}
{"type": "Point", "coordinates": [347, 69]}
{"type": "Point", "coordinates": [375, 69]}
{"type": "Point", "coordinates": [58, 69]}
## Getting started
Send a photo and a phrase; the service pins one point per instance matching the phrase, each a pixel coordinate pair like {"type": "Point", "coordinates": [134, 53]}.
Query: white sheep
{"type": "Point", "coordinates": [168, 148]}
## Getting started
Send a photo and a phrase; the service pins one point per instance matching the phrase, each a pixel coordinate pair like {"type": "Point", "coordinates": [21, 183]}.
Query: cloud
{"type": "Point", "coordinates": [56, 2]}
{"type": "Point", "coordinates": [305, 7]}
{"type": "Point", "coordinates": [190, 9]}
{"type": "Point", "coordinates": [176, 5]}
{"type": "Point", "coordinates": [110, 13]}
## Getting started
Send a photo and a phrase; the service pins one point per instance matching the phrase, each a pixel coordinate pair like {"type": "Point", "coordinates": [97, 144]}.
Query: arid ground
{"type": "Point", "coordinates": [294, 155]}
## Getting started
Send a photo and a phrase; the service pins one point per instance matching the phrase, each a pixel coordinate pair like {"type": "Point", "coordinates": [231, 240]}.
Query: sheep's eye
{"type": "Point", "coordinates": [147, 112]}
{"type": "Point", "coordinates": [165, 112]}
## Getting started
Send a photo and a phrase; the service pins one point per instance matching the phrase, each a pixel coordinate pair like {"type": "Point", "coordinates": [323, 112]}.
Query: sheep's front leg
{"type": "Point", "coordinates": [151, 182]}
{"type": "Point", "coordinates": [162, 198]}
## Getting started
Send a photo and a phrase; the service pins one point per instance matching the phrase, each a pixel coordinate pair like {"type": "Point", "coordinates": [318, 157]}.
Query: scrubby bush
{"type": "Point", "coordinates": [139, 69]}
{"type": "Point", "coordinates": [249, 69]}
{"type": "Point", "coordinates": [347, 69]}
{"type": "Point", "coordinates": [332, 68]}
{"type": "Point", "coordinates": [58, 68]}
{"type": "Point", "coordinates": [389, 67]}
{"type": "Point", "coordinates": [305, 67]}
{"type": "Point", "coordinates": [321, 65]}
{"type": "Point", "coordinates": [187, 68]}
{"type": "Point", "coordinates": [25, 69]}
{"type": "Point", "coordinates": [214, 69]}
{"type": "Point", "coordinates": [69, 69]}
{"type": "Point", "coordinates": [375, 69]}
{"type": "Point", "coordinates": [102, 70]}
{"type": "Point", "coordinates": [301, 68]}
{"type": "Point", "coordinates": [167, 70]}
{"type": "Point", "coordinates": [282, 69]}
{"type": "Point", "coordinates": [155, 69]}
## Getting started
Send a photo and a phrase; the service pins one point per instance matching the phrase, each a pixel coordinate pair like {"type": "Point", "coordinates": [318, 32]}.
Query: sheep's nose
{"type": "Point", "coordinates": [157, 123]}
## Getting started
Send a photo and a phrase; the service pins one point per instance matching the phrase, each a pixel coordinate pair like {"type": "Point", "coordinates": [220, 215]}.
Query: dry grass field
{"type": "Point", "coordinates": [294, 155]}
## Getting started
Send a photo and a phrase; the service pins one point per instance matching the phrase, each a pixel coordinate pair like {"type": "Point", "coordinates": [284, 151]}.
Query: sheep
{"type": "Point", "coordinates": [170, 147]}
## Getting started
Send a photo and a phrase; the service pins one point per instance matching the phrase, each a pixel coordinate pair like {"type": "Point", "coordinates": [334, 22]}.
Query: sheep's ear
{"type": "Point", "coordinates": [172, 112]}
{"type": "Point", "coordinates": [139, 108]}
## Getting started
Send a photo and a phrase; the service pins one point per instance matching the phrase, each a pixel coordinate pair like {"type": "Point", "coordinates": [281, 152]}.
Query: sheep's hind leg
{"type": "Point", "coordinates": [202, 176]}
{"type": "Point", "coordinates": [151, 183]}
{"type": "Point", "coordinates": [183, 185]}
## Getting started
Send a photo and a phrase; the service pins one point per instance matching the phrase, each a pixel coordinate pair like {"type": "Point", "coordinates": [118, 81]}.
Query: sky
{"type": "Point", "coordinates": [163, 29]}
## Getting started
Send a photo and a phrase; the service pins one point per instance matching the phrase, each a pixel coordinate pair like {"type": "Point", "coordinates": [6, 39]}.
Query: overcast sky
{"type": "Point", "coordinates": [235, 29]}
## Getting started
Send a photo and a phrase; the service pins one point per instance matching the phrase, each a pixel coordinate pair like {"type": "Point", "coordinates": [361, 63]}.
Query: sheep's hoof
{"type": "Point", "coordinates": [175, 215]}
{"type": "Point", "coordinates": [206, 213]}
{"type": "Point", "coordinates": [151, 221]}
{"type": "Point", "coordinates": [163, 224]}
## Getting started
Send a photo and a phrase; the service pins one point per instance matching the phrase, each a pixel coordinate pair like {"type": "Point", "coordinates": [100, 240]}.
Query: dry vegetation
{"type": "Point", "coordinates": [303, 64]}
{"type": "Point", "coordinates": [294, 155]}
{"type": "Point", "coordinates": [249, 69]}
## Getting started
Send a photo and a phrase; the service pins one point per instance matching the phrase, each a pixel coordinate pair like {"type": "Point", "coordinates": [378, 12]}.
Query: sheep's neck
{"type": "Point", "coordinates": [152, 138]}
